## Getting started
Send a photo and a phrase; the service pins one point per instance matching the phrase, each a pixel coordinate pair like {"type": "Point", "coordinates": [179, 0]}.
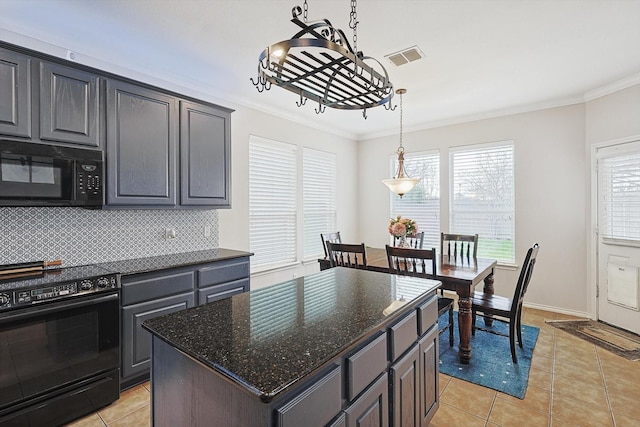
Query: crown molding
{"type": "Point", "coordinates": [612, 87]}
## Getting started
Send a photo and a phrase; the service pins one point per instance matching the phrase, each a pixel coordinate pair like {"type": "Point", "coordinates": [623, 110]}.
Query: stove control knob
{"type": "Point", "coordinates": [85, 285]}
{"type": "Point", "coordinates": [4, 299]}
{"type": "Point", "coordinates": [103, 282]}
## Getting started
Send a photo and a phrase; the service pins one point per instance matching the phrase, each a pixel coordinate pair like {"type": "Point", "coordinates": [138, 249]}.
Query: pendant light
{"type": "Point", "coordinates": [401, 184]}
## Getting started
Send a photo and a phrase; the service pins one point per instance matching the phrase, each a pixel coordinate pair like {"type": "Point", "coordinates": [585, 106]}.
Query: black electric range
{"type": "Point", "coordinates": [59, 345]}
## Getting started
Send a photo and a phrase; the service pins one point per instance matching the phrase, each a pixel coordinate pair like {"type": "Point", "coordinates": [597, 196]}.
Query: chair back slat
{"type": "Point", "coordinates": [329, 237]}
{"type": "Point", "coordinates": [347, 255]}
{"type": "Point", "coordinates": [411, 261]}
{"type": "Point", "coordinates": [464, 245]}
{"type": "Point", "coordinates": [525, 277]}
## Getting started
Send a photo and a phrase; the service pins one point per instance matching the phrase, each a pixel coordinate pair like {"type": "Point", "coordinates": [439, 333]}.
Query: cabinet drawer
{"type": "Point", "coordinates": [366, 365]}
{"type": "Point", "coordinates": [403, 334]}
{"type": "Point", "coordinates": [223, 271]}
{"type": "Point", "coordinates": [427, 315]}
{"type": "Point", "coordinates": [315, 406]}
{"type": "Point", "coordinates": [214, 293]}
{"type": "Point", "coordinates": [149, 287]}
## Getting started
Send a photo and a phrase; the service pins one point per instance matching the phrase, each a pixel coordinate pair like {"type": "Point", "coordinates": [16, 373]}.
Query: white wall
{"type": "Point", "coordinates": [613, 117]}
{"type": "Point", "coordinates": [234, 223]}
{"type": "Point", "coordinates": [550, 193]}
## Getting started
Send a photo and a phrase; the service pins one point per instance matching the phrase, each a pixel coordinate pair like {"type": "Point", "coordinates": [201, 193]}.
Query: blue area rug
{"type": "Point", "coordinates": [491, 365]}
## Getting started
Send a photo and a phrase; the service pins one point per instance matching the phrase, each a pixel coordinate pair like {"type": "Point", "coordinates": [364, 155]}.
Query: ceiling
{"type": "Point", "coordinates": [484, 58]}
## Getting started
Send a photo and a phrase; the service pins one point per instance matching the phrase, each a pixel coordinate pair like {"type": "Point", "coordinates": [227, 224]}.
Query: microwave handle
{"type": "Point", "coordinates": [55, 307]}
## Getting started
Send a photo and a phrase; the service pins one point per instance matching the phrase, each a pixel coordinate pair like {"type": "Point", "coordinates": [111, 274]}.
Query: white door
{"type": "Point", "coordinates": [618, 192]}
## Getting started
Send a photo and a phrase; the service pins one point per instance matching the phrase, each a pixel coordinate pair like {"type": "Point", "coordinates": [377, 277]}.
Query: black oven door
{"type": "Point", "coordinates": [47, 350]}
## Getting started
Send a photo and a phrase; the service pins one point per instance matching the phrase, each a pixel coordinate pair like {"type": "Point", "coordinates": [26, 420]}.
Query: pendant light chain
{"type": "Point", "coordinates": [401, 148]}
{"type": "Point", "coordinates": [353, 23]}
{"type": "Point", "coordinates": [305, 14]}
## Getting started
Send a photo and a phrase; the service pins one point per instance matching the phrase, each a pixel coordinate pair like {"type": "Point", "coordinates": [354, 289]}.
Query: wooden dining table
{"type": "Point", "coordinates": [460, 274]}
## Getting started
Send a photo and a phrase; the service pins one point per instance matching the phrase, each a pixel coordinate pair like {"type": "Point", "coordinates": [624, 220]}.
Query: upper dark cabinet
{"type": "Point", "coordinates": [204, 155]}
{"type": "Point", "coordinates": [69, 105]}
{"type": "Point", "coordinates": [141, 146]}
{"type": "Point", "coordinates": [15, 94]}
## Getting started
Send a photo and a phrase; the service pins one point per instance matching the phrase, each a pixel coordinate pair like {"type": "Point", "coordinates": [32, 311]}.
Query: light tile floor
{"type": "Point", "coordinates": [571, 383]}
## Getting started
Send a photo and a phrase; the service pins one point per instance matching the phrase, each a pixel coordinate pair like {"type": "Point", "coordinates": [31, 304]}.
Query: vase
{"type": "Point", "coordinates": [402, 242]}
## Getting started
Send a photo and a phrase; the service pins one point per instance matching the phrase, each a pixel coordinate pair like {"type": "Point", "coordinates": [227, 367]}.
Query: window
{"type": "Point", "coordinates": [619, 196]}
{"type": "Point", "coordinates": [272, 203]}
{"type": "Point", "coordinates": [482, 198]}
{"type": "Point", "coordinates": [421, 204]}
{"type": "Point", "coordinates": [319, 194]}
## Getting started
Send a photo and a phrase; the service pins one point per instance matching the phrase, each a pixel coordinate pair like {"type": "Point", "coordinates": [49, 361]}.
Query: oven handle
{"type": "Point", "coordinates": [59, 306]}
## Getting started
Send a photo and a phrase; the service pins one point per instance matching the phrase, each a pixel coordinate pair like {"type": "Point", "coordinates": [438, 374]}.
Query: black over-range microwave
{"type": "Point", "coordinates": [48, 175]}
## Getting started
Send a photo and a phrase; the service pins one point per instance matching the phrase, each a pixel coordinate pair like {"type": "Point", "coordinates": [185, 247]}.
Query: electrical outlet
{"type": "Point", "coordinates": [207, 231]}
{"type": "Point", "coordinates": [169, 233]}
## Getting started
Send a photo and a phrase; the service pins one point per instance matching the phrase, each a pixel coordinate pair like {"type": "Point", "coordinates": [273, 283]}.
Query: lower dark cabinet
{"type": "Point", "coordinates": [371, 409]}
{"type": "Point", "coordinates": [429, 368]}
{"type": "Point", "coordinates": [136, 342]}
{"type": "Point", "coordinates": [405, 389]}
{"type": "Point", "coordinates": [156, 293]}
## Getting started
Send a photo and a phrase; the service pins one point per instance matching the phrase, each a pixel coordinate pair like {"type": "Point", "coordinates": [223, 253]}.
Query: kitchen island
{"type": "Point", "coordinates": [342, 347]}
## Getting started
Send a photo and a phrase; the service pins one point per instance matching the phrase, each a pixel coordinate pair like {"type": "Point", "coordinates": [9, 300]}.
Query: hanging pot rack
{"type": "Point", "coordinates": [318, 63]}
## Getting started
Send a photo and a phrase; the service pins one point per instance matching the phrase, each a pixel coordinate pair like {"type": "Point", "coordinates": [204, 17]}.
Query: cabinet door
{"type": "Point", "coordinates": [405, 389]}
{"type": "Point", "coordinates": [136, 342]}
{"type": "Point", "coordinates": [371, 409]}
{"type": "Point", "coordinates": [141, 146]}
{"type": "Point", "coordinates": [69, 105]}
{"type": "Point", "coordinates": [214, 293]}
{"type": "Point", "coordinates": [205, 156]}
{"type": "Point", "coordinates": [15, 94]}
{"type": "Point", "coordinates": [429, 399]}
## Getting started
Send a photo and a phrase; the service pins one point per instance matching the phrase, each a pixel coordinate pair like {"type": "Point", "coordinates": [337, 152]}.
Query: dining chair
{"type": "Point", "coordinates": [503, 309]}
{"type": "Point", "coordinates": [329, 237]}
{"type": "Point", "coordinates": [415, 240]}
{"type": "Point", "coordinates": [347, 255]}
{"type": "Point", "coordinates": [459, 245]}
{"type": "Point", "coordinates": [420, 263]}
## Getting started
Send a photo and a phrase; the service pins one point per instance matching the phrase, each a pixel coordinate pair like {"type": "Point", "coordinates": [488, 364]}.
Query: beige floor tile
{"type": "Point", "coordinates": [469, 397]}
{"type": "Point", "coordinates": [591, 394]}
{"type": "Point", "coordinates": [624, 421]}
{"type": "Point", "coordinates": [579, 412]}
{"type": "Point", "coordinates": [540, 378]}
{"type": "Point", "coordinates": [537, 399]}
{"type": "Point", "coordinates": [92, 420]}
{"type": "Point", "coordinates": [449, 416]}
{"type": "Point", "coordinates": [138, 418]}
{"type": "Point", "coordinates": [507, 413]}
{"type": "Point", "coordinates": [625, 405]}
{"type": "Point", "coordinates": [130, 401]}
{"type": "Point", "coordinates": [542, 362]}
{"type": "Point", "coordinates": [443, 382]}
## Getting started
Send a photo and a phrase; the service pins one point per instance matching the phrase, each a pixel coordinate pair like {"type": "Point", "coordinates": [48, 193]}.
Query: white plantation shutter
{"type": "Point", "coordinates": [319, 194]}
{"type": "Point", "coordinates": [421, 204]}
{"type": "Point", "coordinates": [272, 203]}
{"type": "Point", "coordinates": [620, 197]}
{"type": "Point", "coordinates": [482, 198]}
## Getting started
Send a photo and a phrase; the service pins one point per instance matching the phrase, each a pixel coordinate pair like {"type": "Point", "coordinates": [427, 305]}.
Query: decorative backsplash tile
{"type": "Point", "coordinates": [79, 236]}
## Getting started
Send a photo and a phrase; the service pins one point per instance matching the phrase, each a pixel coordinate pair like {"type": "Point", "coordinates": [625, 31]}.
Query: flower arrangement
{"type": "Point", "coordinates": [400, 227]}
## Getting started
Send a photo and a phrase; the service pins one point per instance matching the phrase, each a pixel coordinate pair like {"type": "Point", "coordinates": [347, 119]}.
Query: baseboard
{"type": "Point", "coordinates": [558, 310]}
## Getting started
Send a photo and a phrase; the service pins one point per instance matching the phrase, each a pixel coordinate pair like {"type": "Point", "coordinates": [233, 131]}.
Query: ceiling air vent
{"type": "Point", "coordinates": [405, 56]}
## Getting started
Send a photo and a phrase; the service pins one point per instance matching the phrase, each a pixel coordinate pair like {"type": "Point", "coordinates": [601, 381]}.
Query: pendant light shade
{"type": "Point", "coordinates": [401, 184]}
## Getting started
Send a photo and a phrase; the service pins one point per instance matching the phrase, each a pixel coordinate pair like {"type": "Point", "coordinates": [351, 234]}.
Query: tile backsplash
{"type": "Point", "coordinates": [79, 236]}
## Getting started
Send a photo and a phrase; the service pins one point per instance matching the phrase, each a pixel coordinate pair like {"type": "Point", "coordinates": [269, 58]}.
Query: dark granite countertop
{"type": "Point", "coordinates": [145, 265]}
{"type": "Point", "coordinates": [269, 339]}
